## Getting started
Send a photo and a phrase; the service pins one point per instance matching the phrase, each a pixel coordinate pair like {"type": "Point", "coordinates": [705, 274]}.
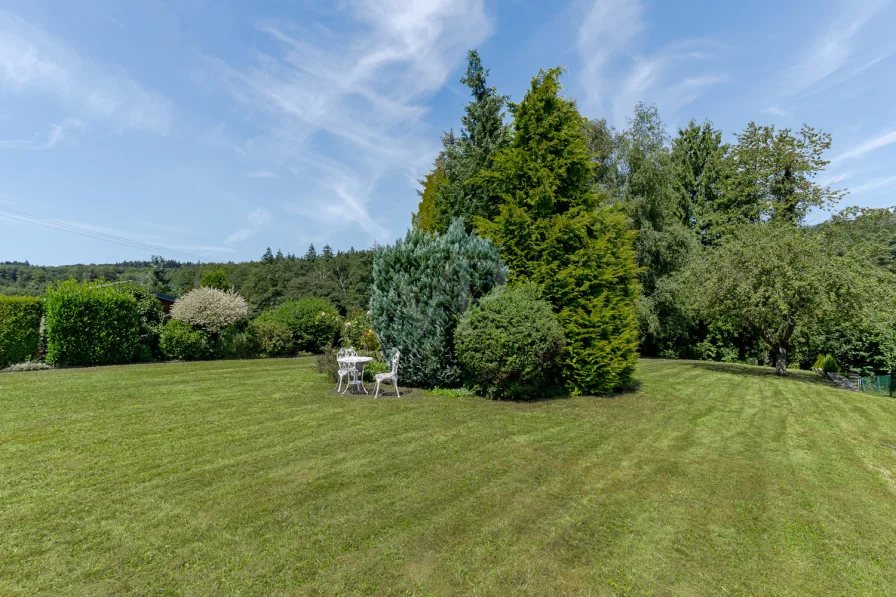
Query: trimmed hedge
{"type": "Point", "coordinates": [91, 324]}
{"type": "Point", "coordinates": [19, 328]}
{"type": "Point", "coordinates": [314, 323]}
{"type": "Point", "coordinates": [270, 338]}
{"type": "Point", "coordinates": [510, 346]}
{"type": "Point", "coordinates": [181, 341]}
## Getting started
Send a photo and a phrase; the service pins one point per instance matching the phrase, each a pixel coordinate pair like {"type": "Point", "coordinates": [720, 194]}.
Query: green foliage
{"type": "Point", "coordinates": [152, 318]}
{"type": "Point", "coordinates": [181, 341]}
{"type": "Point", "coordinates": [462, 193]}
{"type": "Point", "coordinates": [91, 324]}
{"type": "Point", "coordinates": [271, 338]}
{"type": "Point", "coordinates": [235, 343]}
{"type": "Point", "coordinates": [554, 230]}
{"type": "Point", "coordinates": [357, 332]}
{"type": "Point", "coordinates": [159, 278]}
{"type": "Point", "coordinates": [770, 175]}
{"type": "Point", "coordinates": [421, 286]}
{"type": "Point", "coordinates": [510, 346]}
{"type": "Point", "coordinates": [771, 280]}
{"type": "Point", "coordinates": [826, 363]}
{"type": "Point", "coordinates": [215, 278]}
{"type": "Point", "coordinates": [451, 392]}
{"type": "Point", "coordinates": [313, 323]}
{"type": "Point", "coordinates": [425, 218]}
{"type": "Point", "coordinates": [657, 212]}
{"type": "Point", "coordinates": [697, 159]}
{"type": "Point", "coordinates": [19, 328]}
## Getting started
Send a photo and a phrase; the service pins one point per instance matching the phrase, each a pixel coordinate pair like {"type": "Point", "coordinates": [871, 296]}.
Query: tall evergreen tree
{"type": "Point", "coordinates": [555, 230]}
{"type": "Point", "coordinates": [311, 253]}
{"type": "Point", "coordinates": [268, 256]}
{"type": "Point", "coordinates": [697, 157]}
{"type": "Point", "coordinates": [425, 218]}
{"type": "Point", "coordinates": [483, 133]}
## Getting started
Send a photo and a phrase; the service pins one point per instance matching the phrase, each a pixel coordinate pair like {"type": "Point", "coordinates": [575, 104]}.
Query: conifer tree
{"type": "Point", "coordinates": [421, 287]}
{"type": "Point", "coordinates": [554, 229]}
{"type": "Point", "coordinates": [483, 134]}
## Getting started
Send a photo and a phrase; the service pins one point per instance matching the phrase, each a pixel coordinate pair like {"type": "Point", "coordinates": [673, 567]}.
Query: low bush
{"type": "Point", "coordinates": [211, 309]}
{"type": "Point", "coordinates": [91, 324]}
{"type": "Point", "coordinates": [270, 338]}
{"type": "Point", "coordinates": [327, 364]}
{"type": "Point", "coordinates": [451, 392]}
{"type": "Point", "coordinates": [314, 323]}
{"type": "Point", "coordinates": [183, 342]}
{"type": "Point", "coordinates": [234, 343]}
{"type": "Point", "coordinates": [510, 346]}
{"type": "Point", "coordinates": [19, 328]}
{"type": "Point", "coordinates": [827, 364]}
{"type": "Point", "coordinates": [29, 366]}
{"type": "Point", "coordinates": [152, 318]}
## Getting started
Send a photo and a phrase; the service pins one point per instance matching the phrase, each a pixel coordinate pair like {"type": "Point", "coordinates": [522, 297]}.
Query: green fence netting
{"type": "Point", "coordinates": [877, 384]}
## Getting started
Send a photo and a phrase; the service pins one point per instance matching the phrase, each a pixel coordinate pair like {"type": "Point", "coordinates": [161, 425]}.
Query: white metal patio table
{"type": "Point", "coordinates": [358, 379]}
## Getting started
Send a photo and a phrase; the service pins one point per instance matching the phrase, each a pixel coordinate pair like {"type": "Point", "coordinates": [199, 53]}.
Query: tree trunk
{"type": "Point", "coordinates": [781, 361]}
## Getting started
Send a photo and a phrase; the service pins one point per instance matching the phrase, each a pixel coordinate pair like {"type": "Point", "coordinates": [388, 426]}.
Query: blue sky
{"type": "Point", "coordinates": [216, 129]}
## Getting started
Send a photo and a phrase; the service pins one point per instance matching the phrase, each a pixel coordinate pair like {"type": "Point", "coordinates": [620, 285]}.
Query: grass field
{"type": "Point", "coordinates": [251, 478]}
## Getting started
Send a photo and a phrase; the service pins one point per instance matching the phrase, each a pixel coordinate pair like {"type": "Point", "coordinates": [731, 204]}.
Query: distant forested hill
{"type": "Point", "coordinates": [344, 277]}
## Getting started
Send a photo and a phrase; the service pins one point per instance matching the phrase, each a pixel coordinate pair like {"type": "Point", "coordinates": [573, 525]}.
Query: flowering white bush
{"type": "Point", "coordinates": [210, 308]}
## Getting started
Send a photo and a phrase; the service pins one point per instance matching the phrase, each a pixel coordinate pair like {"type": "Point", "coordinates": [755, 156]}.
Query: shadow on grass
{"type": "Point", "coordinates": [759, 371]}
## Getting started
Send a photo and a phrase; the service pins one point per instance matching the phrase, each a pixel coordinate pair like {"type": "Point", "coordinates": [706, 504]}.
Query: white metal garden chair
{"type": "Point", "coordinates": [390, 376]}
{"type": "Point", "coordinates": [345, 369]}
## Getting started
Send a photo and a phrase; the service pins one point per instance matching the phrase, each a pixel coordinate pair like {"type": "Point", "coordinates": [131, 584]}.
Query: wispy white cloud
{"type": "Point", "coordinates": [775, 110]}
{"type": "Point", "coordinates": [607, 29]}
{"type": "Point", "coordinates": [261, 174]}
{"type": "Point", "coordinates": [57, 133]}
{"type": "Point", "coordinates": [34, 63]}
{"type": "Point", "coordinates": [866, 147]}
{"type": "Point", "coordinates": [612, 67]}
{"type": "Point", "coordinates": [257, 220]}
{"type": "Point", "coordinates": [833, 48]}
{"type": "Point", "coordinates": [361, 93]}
{"type": "Point", "coordinates": [872, 185]}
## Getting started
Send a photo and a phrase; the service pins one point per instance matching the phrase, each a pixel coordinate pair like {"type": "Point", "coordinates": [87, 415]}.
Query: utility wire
{"type": "Point", "coordinates": [94, 234]}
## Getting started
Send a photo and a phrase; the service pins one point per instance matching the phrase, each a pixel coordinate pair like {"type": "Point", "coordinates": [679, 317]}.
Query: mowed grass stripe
{"type": "Point", "coordinates": [253, 478]}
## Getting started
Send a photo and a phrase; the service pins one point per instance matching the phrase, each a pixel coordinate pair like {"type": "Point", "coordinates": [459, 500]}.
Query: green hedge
{"type": "Point", "coordinates": [510, 346]}
{"type": "Point", "coordinates": [181, 341]}
{"type": "Point", "coordinates": [91, 324]}
{"type": "Point", "coordinates": [19, 328]}
{"type": "Point", "coordinates": [314, 323]}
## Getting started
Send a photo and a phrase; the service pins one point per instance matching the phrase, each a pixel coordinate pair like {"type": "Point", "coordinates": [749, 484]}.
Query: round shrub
{"type": "Point", "coordinates": [510, 345]}
{"type": "Point", "coordinates": [181, 341]}
{"type": "Point", "coordinates": [19, 328]}
{"type": "Point", "coordinates": [270, 338]}
{"type": "Point", "coordinates": [314, 323]}
{"type": "Point", "coordinates": [91, 324]}
{"type": "Point", "coordinates": [210, 309]}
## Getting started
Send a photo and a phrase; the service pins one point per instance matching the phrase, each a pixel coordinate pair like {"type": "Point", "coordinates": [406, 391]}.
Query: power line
{"type": "Point", "coordinates": [94, 234]}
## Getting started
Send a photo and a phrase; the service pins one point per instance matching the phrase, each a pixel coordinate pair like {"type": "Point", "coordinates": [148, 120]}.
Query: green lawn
{"type": "Point", "coordinates": [251, 478]}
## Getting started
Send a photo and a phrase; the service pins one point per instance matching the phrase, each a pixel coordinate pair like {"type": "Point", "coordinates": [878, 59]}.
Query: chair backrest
{"type": "Point", "coordinates": [395, 358]}
{"type": "Point", "coordinates": [346, 352]}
